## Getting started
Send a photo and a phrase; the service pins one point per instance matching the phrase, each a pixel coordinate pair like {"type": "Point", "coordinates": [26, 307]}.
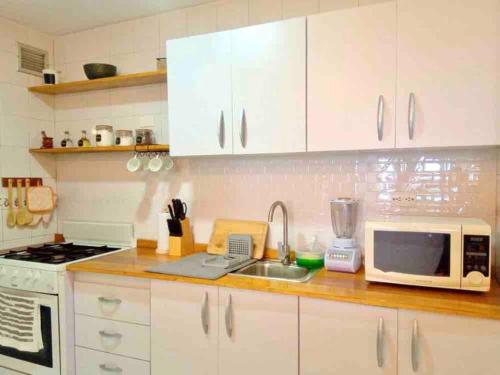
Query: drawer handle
{"type": "Point", "coordinates": [110, 300]}
{"type": "Point", "coordinates": [380, 342]}
{"type": "Point", "coordinates": [105, 367]}
{"type": "Point", "coordinates": [204, 313]}
{"type": "Point", "coordinates": [221, 132]}
{"type": "Point", "coordinates": [380, 118]}
{"type": "Point", "coordinates": [411, 116]}
{"type": "Point", "coordinates": [229, 317]}
{"type": "Point", "coordinates": [243, 129]}
{"type": "Point", "coordinates": [108, 334]}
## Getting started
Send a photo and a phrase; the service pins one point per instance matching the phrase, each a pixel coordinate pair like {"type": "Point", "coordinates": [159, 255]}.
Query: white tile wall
{"type": "Point", "coordinates": [22, 118]}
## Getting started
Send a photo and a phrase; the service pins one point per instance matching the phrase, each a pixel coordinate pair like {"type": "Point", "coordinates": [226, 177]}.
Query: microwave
{"type": "Point", "coordinates": [437, 252]}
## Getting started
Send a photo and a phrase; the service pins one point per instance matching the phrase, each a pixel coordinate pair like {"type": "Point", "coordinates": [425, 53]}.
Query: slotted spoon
{"type": "Point", "coordinates": [28, 214]}
{"type": "Point", "coordinates": [11, 216]}
{"type": "Point", "coordinates": [22, 212]}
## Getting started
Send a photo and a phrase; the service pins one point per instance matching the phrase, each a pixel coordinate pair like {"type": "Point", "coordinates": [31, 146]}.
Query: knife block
{"type": "Point", "coordinates": [181, 246]}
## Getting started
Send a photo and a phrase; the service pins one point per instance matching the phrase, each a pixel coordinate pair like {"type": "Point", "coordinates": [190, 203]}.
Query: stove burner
{"type": "Point", "coordinates": [57, 253]}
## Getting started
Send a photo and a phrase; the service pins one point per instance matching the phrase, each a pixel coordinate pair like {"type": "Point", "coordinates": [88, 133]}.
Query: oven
{"type": "Point", "coordinates": [47, 360]}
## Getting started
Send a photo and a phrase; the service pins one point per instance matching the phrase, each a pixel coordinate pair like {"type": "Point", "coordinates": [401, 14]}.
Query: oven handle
{"type": "Point", "coordinates": [105, 367]}
{"type": "Point", "coordinates": [108, 334]}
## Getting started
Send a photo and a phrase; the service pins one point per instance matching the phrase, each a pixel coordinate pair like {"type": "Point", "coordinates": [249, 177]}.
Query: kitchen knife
{"type": "Point", "coordinates": [171, 212]}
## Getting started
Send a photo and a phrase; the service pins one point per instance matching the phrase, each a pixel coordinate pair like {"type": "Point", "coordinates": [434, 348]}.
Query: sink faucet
{"type": "Point", "coordinates": [283, 248]}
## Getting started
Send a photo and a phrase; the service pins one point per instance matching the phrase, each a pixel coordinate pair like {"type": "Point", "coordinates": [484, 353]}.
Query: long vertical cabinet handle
{"type": "Point", "coordinates": [229, 317]}
{"type": "Point", "coordinates": [204, 313]}
{"type": "Point", "coordinates": [243, 129]}
{"type": "Point", "coordinates": [221, 131]}
{"type": "Point", "coordinates": [380, 118]}
{"type": "Point", "coordinates": [414, 346]}
{"type": "Point", "coordinates": [411, 116]}
{"type": "Point", "coordinates": [380, 342]}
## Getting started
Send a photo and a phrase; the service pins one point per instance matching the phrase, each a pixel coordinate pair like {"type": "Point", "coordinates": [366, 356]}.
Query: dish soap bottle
{"type": "Point", "coordinates": [66, 142]}
{"type": "Point", "coordinates": [84, 141]}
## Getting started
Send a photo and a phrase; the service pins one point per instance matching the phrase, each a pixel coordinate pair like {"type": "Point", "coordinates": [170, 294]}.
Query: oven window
{"type": "Point", "coordinates": [414, 253]}
{"type": "Point", "coordinates": [44, 356]}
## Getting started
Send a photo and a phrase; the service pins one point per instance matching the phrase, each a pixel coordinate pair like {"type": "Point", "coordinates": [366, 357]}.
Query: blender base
{"type": "Point", "coordinates": [343, 256]}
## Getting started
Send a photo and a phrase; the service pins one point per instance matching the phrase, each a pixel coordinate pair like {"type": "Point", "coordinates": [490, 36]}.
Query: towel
{"type": "Point", "coordinates": [20, 323]}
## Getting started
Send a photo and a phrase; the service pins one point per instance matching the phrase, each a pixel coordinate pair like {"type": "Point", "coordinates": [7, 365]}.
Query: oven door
{"type": "Point", "coordinates": [414, 254]}
{"type": "Point", "coordinates": [46, 361]}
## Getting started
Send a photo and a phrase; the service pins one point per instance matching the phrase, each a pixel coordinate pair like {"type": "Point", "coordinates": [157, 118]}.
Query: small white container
{"type": "Point", "coordinates": [124, 138]}
{"type": "Point", "coordinates": [104, 136]}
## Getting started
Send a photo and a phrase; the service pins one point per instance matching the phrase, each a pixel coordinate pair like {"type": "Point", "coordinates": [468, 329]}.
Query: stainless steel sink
{"type": "Point", "coordinates": [275, 270]}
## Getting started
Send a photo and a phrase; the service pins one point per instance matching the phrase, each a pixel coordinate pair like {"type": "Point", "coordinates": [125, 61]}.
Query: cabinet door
{"type": "Point", "coordinates": [184, 329]}
{"type": "Point", "coordinates": [199, 95]}
{"type": "Point", "coordinates": [258, 333]}
{"type": "Point", "coordinates": [269, 88]}
{"type": "Point", "coordinates": [351, 65]}
{"type": "Point", "coordinates": [345, 338]}
{"type": "Point", "coordinates": [446, 73]}
{"type": "Point", "coordinates": [438, 344]}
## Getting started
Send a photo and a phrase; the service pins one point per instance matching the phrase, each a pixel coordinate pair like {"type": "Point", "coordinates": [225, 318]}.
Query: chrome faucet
{"type": "Point", "coordinates": [283, 248]}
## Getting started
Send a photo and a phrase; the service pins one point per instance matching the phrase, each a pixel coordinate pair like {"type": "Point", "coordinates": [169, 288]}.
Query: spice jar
{"type": "Point", "coordinates": [84, 141]}
{"type": "Point", "coordinates": [144, 136]}
{"type": "Point", "coordinates": [104, 135]}
{"type": "Point", "coordinates": [47, 142]}
{"type": "Point", "coordinates": [124, 138]}
{"type": "Point", "coordinates": [66, 142]}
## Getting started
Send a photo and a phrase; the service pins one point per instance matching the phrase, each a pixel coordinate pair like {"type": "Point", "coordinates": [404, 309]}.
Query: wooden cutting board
{"type": "Point", "coordinates": [223, 228]}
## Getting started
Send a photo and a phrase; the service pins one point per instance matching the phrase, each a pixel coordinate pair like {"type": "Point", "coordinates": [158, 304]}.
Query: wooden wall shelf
{"type": "Point", "coordinates": [126, 80]}
{"type": "Point", "coordinates": [86, 150]}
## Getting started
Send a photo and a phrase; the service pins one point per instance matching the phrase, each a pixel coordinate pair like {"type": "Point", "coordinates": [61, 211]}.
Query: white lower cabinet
{"type": "Point", "coordinates": [258, 333]}
{"type": "Point", "coordinates": [184, 328]}
{"type": "Point", "coordinates": [346, 338]}
{"type": "Point", "coordinates": [437, 344]}
{"type": "Point", "coordinates": [91, 362]}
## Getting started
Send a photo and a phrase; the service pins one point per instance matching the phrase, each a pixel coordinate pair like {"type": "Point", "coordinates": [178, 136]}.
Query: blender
{"type": "Point", "coordinates": [343, 255]}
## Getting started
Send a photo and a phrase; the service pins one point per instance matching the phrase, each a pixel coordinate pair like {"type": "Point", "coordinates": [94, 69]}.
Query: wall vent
{"type": "Point", "coordinates": [31, 60]}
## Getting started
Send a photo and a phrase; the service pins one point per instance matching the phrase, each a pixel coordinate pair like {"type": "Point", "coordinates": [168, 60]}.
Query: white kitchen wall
{"type": "Point", "coordinates": [22, 117]}
{"type": "Point", "coordinates": [446, 182]}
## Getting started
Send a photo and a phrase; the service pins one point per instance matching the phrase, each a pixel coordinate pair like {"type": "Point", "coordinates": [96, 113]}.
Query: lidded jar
{"type": "Point", "coordinates": [124, 138]}
{"type": "Point", "coordinates": [104, 135]}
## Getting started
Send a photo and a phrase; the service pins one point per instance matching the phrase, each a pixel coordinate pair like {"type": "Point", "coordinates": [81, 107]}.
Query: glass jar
{"type": "Point", "coordinates": [66, 142]}
{"type": "Point", "coordinates": [124, 138]}
{"type": "Point", "coordinates": [47, 142]}
{"type": "Point", "coordinates": [104, 136]}
{"type": "Point", "coordinates": [144, 136]}
{"type": "Point", "coordinates": [84, 141]}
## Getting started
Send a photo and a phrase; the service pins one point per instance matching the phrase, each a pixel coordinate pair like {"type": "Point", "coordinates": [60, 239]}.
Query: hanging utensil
{"type": "Point", "coordinates": [21, 211]}
{"type": "Point", "coordinates": [28, 214]}
{"type": "Point", "coordinates": [11, 216]}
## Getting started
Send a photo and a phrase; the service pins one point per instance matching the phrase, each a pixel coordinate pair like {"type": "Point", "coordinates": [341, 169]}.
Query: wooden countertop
{"type": "Point", "coordinates": [325, 285]}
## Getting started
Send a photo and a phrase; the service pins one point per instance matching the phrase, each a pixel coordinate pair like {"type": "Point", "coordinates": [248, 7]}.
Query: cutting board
{"type": "Point", "coordinates": [223, 228]}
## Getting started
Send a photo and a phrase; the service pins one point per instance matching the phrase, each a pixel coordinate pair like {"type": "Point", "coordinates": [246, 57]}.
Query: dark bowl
{"type": "Point", "coordinates": [95, 71]}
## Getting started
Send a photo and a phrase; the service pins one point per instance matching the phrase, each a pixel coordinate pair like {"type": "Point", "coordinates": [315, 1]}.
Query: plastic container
{"type": "Point", "coordinates": [311, 258]}
{"type": "Point", "coordinates": [124, 138]}
{"type": "Point", "coordinates": [104, 136]}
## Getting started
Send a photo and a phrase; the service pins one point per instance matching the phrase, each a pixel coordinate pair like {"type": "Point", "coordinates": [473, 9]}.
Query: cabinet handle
{"type": "Point", "coordinates": [108, 334]}
{"type": "Point", "coordinates": [109, 300]}
{"type": "Point", "coordinates": [222, 131]}
{"type": "Point", "coordinates": [380, 117]}
{"type": "Point", "coordinates": [411, 116]}
{"type": "Point", "coordinates": [243, 129]}
{"type": "Point", "coordinates": [204, 313]}
{"type": "Point", "coordinates": [229, 316]}
{"type": "Point", "coordinates": [414, 346]}
{"type": "Point", "coordinates": [105, 367]}
{"type": "Point", "coordinates": [380, 342]}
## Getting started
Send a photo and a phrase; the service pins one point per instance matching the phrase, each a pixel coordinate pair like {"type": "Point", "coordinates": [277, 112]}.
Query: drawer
{"type": "Point", "coordinates": [130, 340]}
{"type": "Point", "coordinates": [113, 302]}
{"type": "Point", "coordinates": [90, 362]}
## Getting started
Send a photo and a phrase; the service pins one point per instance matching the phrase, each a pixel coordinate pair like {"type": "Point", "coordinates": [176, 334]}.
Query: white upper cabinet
{"type": "Point", "coordinates": [269, 91]}
{"type": "Point", "coordinates": [199, 95]}
{"type": "Point", "coordinates": [346, 338]}
{"type": "Point", "coordinates": [184, 328]}
{"type": "Point", "coordinates": [351, 75]}
{"type": "Point", "coordinates": [258, 333]}
{"type": "Point", "coordinates": [446, 73]}
{"type": "Point", "coordinates": [438, 344]}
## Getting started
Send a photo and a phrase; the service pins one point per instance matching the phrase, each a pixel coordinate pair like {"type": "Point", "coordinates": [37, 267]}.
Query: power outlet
{"type": "Point", "coordinates": [404, 198]}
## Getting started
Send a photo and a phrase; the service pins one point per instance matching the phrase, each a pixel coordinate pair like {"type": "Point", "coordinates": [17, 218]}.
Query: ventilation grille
{"type": "Point", "coordinates": [31, 60]}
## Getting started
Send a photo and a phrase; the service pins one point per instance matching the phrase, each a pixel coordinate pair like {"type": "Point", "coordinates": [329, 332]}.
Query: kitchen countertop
{"type": "Point", "coordinates": [324, 285]}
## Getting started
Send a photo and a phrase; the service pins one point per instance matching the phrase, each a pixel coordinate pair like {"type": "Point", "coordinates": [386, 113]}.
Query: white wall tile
{"type": "Point", "coordinates": [298, 8]}
{"type": "Point", "coordinates": [98, 104]}
{"type": "Point", "coordinates": [232, 14]}
{"type": "Point", "coordinates": [172, 25]}
{"type": "Point", "coordinates": [71, 107]}
{"type": "Point", "coordinates": [15, 161]}
{"type": "Point", "coordinates": [15, 131]}
{"type": "Point", "coordinates": [261, 11]}
{"type": "Point", "coordinates": [327, 5]}
{"type": "Point", "coordinates": [370, 2]}
{"type": "Point", "coordinates": [147, 34]}
{"type": "Point", "coordinates": [202, 19]}
{"type": "Point", "coordinates": [123, 102]}
{"type": "Point", "coordinates": [123, 37]}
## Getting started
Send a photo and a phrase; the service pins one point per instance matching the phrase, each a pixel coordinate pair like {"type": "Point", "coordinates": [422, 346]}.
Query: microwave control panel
{"type": "Point", "coordinates": [476, 254]}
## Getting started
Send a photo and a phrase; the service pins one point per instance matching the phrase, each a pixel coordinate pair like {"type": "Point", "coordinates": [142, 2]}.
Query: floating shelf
{"type": "Point", "coordinates": [126, 80]}
{"type": "Point", "coordinates": [87, 150]}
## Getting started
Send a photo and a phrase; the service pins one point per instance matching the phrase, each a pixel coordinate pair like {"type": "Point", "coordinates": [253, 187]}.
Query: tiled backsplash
{"type": "Point", "coordinates": [22, 117]}
{"type": "Point", "coordinates": [445, 182]}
